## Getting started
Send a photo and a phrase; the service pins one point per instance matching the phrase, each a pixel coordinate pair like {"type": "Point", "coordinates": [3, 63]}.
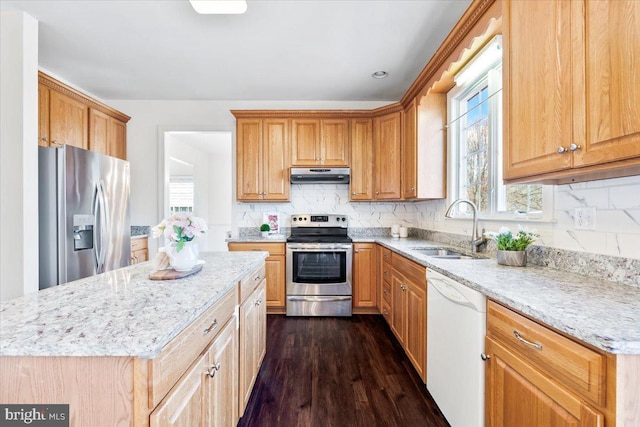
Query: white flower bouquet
{"type": "Point", "coordinates": [180, 228]}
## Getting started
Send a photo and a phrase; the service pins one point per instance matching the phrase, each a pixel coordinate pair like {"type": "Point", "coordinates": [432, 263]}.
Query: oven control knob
{"type": "Point", "coordinates": [337, 219]}
{"type": "Point", "coordinates": [344, 219]}
{"type": "Point", "coordinates": [295, 219]}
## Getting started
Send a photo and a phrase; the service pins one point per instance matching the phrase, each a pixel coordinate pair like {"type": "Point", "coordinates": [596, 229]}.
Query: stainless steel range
{"type": "Point", "coordinates": [319, 255]}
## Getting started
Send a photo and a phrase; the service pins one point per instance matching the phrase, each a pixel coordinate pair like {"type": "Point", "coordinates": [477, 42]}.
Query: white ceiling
{"type": "Point", "coordinates": [277, 50]}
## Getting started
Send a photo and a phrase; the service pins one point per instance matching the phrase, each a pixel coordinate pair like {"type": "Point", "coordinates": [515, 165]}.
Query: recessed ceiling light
{"type": "Point", "coordinates": [379, 74]}
{"type": "Point", "coordinates": [221, 7]}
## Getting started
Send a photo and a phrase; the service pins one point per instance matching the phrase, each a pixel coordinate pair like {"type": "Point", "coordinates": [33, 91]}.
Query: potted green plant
{"type": "Point", "coordinates": [264, 229]}
{"type": "Point", "coordinates": [512, 249]}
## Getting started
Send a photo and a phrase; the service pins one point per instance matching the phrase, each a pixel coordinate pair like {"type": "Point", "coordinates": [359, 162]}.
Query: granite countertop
{"type": "Point", "coordinates": [604, 314]}
{"type": "Point", "coordinates": [119, 313]}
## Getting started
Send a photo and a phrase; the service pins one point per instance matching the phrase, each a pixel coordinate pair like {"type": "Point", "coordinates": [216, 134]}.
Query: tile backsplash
{"type": "Point", "coordinates": [617, 204]}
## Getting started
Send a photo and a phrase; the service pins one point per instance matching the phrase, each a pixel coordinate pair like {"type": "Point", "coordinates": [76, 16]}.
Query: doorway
{"type": "Point", "coordinates": [198, 179]}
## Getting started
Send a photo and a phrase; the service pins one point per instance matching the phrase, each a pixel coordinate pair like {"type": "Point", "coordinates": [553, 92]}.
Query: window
{"type": "Point", "coordinates": [181, 194]}
{"type": "Point", "coordinates": [475, 139]}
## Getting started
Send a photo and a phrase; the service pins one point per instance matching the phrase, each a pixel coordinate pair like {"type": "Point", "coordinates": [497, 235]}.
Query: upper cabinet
{"type": "Point", "coordinates": [571, 93]}
{"type": "Point", "coordinates": [361, 182]}
{"type": "Point", "coordinates": [410, 152]}
{"type": "Point", "coordinates": [66, 116]}
{"type": "Point", "coordinates": [262, 159]}
{"type": "Point", "coordinates": [317, 142]}
{"type": "Point", "coordinates": [387, 141]}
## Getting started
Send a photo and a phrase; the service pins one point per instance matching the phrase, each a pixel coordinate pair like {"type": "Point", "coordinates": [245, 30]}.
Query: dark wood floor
{"type": "Point", "coordinates": [322, 372]}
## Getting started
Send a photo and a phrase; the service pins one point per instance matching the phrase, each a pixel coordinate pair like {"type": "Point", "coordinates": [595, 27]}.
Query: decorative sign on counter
{"type": "Point", "coordinates": [273, 220]}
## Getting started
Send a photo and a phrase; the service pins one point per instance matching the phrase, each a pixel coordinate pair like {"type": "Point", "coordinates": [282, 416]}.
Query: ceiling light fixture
{"type": "Point", "coordinates": [379, 74]}
{"type": "Point", "coordinates": [219, 7]}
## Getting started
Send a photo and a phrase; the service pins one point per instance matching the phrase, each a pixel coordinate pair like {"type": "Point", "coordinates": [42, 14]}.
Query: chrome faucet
{"type": "Point", "coordinates": [476, 241]}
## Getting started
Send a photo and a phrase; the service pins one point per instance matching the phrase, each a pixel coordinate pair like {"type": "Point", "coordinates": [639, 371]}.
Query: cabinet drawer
{"type": "Point", "coordinates": [386, 292]}
{"type": "Point", "coordinates": [386, 273]}
{"type": "Point", "coordinates": [139, 243]}
{"type": "Point", "coordinates": [570, 363]}
{"type": "Point", "coordinates": [176, 356]}
{"type": "Point", "coordinates": [272, 248]}
{"type": "Point", "coordinates": [250, 282]}
{"type": "Point", "coordinates": [410, 269]}
{"type": "Point", "coordinates": [386, 255]}
{"type": "Point", "coordinates": [386, 311]}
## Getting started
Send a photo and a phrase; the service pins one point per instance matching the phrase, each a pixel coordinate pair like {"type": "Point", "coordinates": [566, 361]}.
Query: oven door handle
{"type": "Point", "coordinates": [318, 299]}
{"type": "Point", "coordinates": [318, 249]}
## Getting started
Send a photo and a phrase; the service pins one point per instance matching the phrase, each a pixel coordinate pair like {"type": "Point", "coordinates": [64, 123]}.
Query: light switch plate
{"type": "Point", "coordinates": [585, 218]}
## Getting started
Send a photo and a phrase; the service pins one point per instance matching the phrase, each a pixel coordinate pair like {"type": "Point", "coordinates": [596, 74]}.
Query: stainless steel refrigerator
{"type": "Point", "coordinates": [83, 214]}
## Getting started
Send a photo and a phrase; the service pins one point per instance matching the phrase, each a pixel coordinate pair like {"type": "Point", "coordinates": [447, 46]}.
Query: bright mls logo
{"type": "Point", "coordinates": [34, 415]}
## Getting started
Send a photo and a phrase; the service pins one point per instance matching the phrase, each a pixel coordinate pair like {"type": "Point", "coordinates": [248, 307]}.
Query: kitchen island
{"type": "Point", "coordinates": [119, 348]}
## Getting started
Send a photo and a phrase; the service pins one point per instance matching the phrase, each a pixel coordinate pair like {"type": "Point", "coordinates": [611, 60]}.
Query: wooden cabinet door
{"type": "Point", "coordinates": [305, 142]}
{"type": "Point", "coordinates": [222, 389]}
{"type": "Point", "coordinates": [537, 76]}
{"type": "Point", "coordinates": [398, 305]}
{"type": "Point", "coordinates": [334, 146]}
{"type": "Point", "coordinates": [387, 140]}
{"type": "Point", "coordinates": [43, 115]}
{"type": "Point", "coordinates": [117, 146]}
{"type": "Point", "coordinates": [68, 121]}
{"type": "Point", "coordinates": [275, 274]}
{"type": "Point", "coordinates": [609, 89]}
{"type": "Point", "coordinates": [185, 404]}
{"type": "Point", "coordinates": [519, 395]}
{"type": "Point", "coordinates": [249, 172]}
{"type": "Point", "coordinates": [361, 182]}
{"type": "Point", "coordinates": [98, 131]}
{"type": "Point", "coordinates": [364, 275]}
{"type": "Point", "coordinates": [249, 343]}
{"type": "Point", "coordinates": [275, 149]}
{"type": "Point", "coordinates": [415, 344]}
{"type": "Point", "coordinates": [410, 153]}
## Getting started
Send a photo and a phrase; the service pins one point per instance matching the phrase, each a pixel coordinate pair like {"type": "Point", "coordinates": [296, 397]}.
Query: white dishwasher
{"type": "Point", "coordinates": [456, 326]}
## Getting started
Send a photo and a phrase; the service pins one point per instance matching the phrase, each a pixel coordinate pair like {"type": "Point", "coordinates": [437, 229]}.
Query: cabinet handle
{"type": "Point", "coordinates": [353, 194]}
{"type": "Point", "coordinates": [574, 147]}
{"type": "Point", "coordinates": [211, 327]}
{"type": "Point", "coordinates": [385, 312]}
{"type": "Point", "coordinates": [522, 340]}
{"type": "Point", "coordinates": [377, 193]}
{"type": "Point", "coordinates": [385, 272]}
{"type": "Point", "coordinates": [485, 357]}
{"type": "Point", "coordinates": [214, 368]}
{"type": "Point", "coordinates": [45, 139]}
{"type": "Point", "coordinates": [403, 287]}
{"type": "Point", "coordinates": [562, 150]}
{"type": "Point", "coordinates": [356, 250]}
{"type": "Point", "coordinates": [386, 292]}
{"type": "Point", "coordinates": [256, 278]}
{"type": "Point", "coordinates": [55, 142]}
{"type": "Point", "coordinates": [413, 188]}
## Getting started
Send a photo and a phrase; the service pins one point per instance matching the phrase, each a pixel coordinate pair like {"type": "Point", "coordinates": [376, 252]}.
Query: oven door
{"type": "Point", "coordinates": [319, 268]}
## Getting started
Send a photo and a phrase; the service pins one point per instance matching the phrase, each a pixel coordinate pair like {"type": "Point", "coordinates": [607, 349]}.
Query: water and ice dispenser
{"type": "Point", "coordinates": [83, 226]}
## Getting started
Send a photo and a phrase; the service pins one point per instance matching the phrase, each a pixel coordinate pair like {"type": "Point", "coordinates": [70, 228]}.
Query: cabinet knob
{"type": "Point", "coordinates": [55, 142]}
{"type": "Point", "coordinates": [562, 150]}
{"type": "Point", "coordinates": [353, 194]}
{"type": "Point", "coordinates": [356, 250]}
{"type": "Point", "coordinates": [574, 147]}
{"type": "Point", "coordinates": [214, 368]}
{"type": "Point", "coordinates": [413, 188]}
{"type": "Point", "coordinates": [45, 139]}
{"type": "Point", "coordinates": [485, 357]}
{"type": "Point", "coordinates": [377, 193]}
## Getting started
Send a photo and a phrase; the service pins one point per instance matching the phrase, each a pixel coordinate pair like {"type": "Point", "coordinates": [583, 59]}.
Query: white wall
{"type": "Point", "coordinates": [150, 119]}
{"type": "Point", "coordinates": [617, 203]}
{"type": "Point", "coordinates": [18, 154]}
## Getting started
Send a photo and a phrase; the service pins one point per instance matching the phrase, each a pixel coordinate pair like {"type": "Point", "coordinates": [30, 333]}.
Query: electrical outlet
{"type": "Point", "coordinates": [584, 218]}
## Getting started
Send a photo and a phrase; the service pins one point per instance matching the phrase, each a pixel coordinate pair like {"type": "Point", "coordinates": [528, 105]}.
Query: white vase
{"type": "Point", "coordinates": [185, 259]}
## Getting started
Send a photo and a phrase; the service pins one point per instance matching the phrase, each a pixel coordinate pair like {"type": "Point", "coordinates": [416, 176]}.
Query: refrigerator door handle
{"type": "Point", "coordinates": [97, 237]}
{"type": "Point", "coordinates": [104, 226]}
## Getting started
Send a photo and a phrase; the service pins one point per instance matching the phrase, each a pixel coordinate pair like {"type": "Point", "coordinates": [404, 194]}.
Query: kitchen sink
{"type": "Point", "coordinates": [442, 253]}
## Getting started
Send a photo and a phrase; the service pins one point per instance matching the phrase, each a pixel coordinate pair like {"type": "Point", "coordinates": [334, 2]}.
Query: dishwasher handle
{"type": "Point", "coordinates": [449, 292]}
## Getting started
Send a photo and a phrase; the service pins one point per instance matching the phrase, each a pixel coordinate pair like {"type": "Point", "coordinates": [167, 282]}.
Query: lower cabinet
{"type": "Point", "coordinates": [253, 335]}
{"type": "Point", "coordinates": [536, 377]}
{"type": "Point", "coordinates": [275, 264]}
{"type": "Point", "coordinates": [139, 250]}
{"type": "Point", "coordinates": [404, 305]}
{"type": "Point", "coordinates": [364, 276]}
{"type": "Point", "coordinates": [205, 394]}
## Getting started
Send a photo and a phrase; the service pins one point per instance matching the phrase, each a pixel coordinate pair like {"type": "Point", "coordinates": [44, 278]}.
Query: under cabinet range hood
{"type": "Point", "coordinates": [319, 175]}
